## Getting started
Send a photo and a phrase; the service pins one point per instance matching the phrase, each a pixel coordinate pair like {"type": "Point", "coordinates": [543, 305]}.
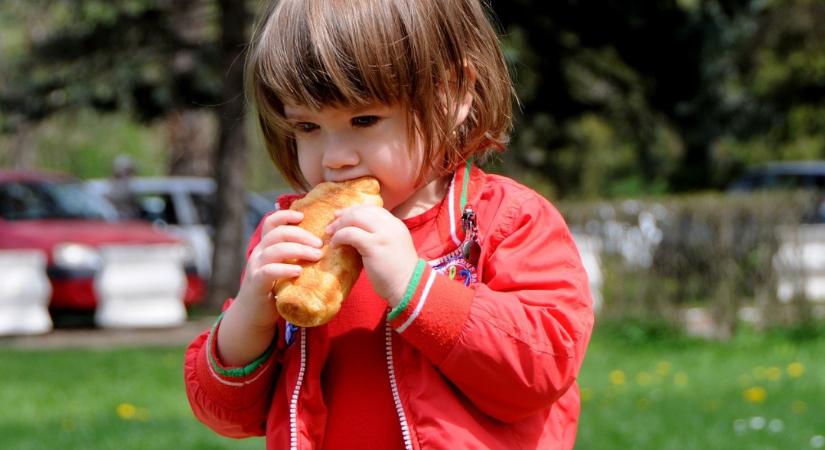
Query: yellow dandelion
{"type": "Point", "coordinates": [774, 373]}
{"type": "Point", "coordinates": [756, 394]}
{"type": "Point", "coordinates": [644, 378]}
{"type": "Point", "coordinates": [795, 369]}
{"type": "Point", "coordinates": [680, 379]}
{"type": "Point", "coordinates": [586, 394]}
{"type": "Point", "coordinates": [126, 411]}
{"type": "Point", "coordinates": [617, 377]}
{"type": "Point", "coordinates": [663, 368]}
{"type": "Point", "coordinates": [799, 407]}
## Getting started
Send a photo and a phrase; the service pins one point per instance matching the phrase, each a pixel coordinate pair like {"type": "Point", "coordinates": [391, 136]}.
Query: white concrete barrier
{"type": "Point", "coordinates": [24, 293]}
{"type": "Point", "coordinates": [800, 263]}
{"type": "Point", "coordinates": [141, 287]}
{"type": "Point", "coordinates": [590, 247]}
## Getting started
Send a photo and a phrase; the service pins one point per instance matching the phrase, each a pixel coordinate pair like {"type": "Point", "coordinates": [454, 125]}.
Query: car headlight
{"type": "Point", "coordinates": [189, 255]}
{"type": "Point", "coordinates": [77, 256]}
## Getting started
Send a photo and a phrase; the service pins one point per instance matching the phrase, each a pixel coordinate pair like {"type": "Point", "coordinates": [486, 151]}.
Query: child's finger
{"type": "Point", "coordinates": [290, 233]}
{"type": "Point", "coordinates": [286, 251]}
{"type": "Point", "coordinates": [278, 271]}
{"type": "Point", "coordinates": [368, 218]}
{"type": "Point", "coordinates": [279, 218]}
{"type": "Point", "coordinates": [356, 237]}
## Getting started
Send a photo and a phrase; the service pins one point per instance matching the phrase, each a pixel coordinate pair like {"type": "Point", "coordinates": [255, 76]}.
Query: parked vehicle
{"type": "Point", "coordinates": [788, 175]}
{"type": "Point", "coordinates": [783, 175]}
{"type": "Point", "coordinates": [183, 205]}
{"type": "Point", "coordinates": [92, 257]}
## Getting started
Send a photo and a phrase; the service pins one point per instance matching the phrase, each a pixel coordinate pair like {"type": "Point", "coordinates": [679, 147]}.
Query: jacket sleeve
{"type": "Point", "coordinates": [513, 343]}
{"type": "Point", "coordinates": [232, 401]}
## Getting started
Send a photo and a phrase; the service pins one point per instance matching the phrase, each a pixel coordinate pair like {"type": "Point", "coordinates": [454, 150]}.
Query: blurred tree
{"type": "Point", "coordinates": [774, 85]}
{"type": "Point", "coordinates": [626, 98]}
{"type": "Point", "coordinates": [158, 59]}
{"type": "Point", "coordinates": [606, 87]}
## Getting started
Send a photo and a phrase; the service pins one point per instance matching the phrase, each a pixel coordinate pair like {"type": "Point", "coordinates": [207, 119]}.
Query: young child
{"type": "Point", "coordinates": [470, 320]}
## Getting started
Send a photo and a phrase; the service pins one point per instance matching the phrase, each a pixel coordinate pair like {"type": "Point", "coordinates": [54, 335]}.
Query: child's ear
{"type": "Point", "coordinates": [466, 103]}
{"type": "Point", "coordinates": [463, 105]}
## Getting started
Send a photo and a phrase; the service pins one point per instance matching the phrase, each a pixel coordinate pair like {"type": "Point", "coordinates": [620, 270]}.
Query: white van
{"type": "Point", "coordinates": [183, 205]}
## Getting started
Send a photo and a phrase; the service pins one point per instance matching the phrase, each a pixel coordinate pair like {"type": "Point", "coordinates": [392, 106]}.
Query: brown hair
{"type": "Point", "coordinates": [356, 52]}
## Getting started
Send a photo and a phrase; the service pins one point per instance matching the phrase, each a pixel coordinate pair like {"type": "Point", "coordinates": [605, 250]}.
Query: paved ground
{"type": "Point", "coordinates": [88, 337]}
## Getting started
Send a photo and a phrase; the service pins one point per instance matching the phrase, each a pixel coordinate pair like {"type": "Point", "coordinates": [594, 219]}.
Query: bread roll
{"type": "Point", "coordinates": [314, 297]}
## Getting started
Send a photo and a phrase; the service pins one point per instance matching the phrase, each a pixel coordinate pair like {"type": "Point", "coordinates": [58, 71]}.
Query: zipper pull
{"type": "Point", "coordinates": [468, 219]}
{"type": "Point", "coordinates": [470, 249]}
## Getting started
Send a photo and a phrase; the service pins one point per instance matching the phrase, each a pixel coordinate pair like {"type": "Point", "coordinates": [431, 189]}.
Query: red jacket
{"type": "Point", "coordinates": [487, 359]}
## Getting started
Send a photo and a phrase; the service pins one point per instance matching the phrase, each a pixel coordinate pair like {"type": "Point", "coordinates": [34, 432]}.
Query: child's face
{"type": "Point", "coordinates": [341, 143]}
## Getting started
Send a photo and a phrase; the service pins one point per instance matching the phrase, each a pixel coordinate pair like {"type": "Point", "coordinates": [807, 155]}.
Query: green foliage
{"type": "Point", "coordinates": [144, 57]}
{"type": "Point", "coordinates": [774, 84]}
{"type": "Point", "coordinates": [604, 113]}
{"type": "Point", "coordinates": [83, 143]}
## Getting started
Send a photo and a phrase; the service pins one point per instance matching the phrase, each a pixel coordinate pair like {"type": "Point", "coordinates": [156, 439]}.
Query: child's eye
{"type": "Point", "coordinates": [305, 127]}
{"type": "Point", "coordinates": [365, 121]}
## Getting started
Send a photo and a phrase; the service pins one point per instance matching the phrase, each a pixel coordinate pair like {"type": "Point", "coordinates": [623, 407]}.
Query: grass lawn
{"type": "Point", "coordinates": [115, 399]}
{"type": "Point", "coordinates": [751, 393]}
{"type": "Point", "coordinates": [672, 394]}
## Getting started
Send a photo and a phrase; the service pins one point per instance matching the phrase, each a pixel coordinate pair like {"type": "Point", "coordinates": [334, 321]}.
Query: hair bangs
{"type": "Point", "coordinates": [333, 53]}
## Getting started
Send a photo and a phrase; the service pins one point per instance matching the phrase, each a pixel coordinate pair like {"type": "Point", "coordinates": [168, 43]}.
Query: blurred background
{"type": "Point", "coordinates": [683, 141]}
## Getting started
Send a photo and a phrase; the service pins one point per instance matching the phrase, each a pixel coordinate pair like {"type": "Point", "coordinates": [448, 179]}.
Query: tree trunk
{"type": "Point", "coordinates": [191, 130]}
{"type": "Point", "coordinates": [191, 139]}
{"type": "Point", "coordinates": [230, 159]}
{"type": "Point", "coordinates": [23, 152]}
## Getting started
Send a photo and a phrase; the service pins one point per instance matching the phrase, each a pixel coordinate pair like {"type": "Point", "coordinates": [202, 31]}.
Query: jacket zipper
{"type": "Point", "coordinates": [399, 408]}
{"type": "Point", "coordinates": [293, 402]}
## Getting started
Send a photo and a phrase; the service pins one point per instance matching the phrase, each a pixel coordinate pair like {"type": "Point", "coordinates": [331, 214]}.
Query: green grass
{"type": "Point", "coordinates": [750, 393]}
{"type": "Point", "coordinates": [114, 399]}
{"type": "Point", "coordinates": [664, 393]}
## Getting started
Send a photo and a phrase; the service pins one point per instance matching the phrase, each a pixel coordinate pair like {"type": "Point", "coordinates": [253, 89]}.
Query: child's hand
{"type": "Point", "coordinates": [281, 241]}
{"type": "Point", "coordinates": [385, 245]}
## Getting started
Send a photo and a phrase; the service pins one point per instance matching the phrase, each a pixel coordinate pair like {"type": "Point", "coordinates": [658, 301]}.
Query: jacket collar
{"type": "Point", "coordinates": [465, 188]}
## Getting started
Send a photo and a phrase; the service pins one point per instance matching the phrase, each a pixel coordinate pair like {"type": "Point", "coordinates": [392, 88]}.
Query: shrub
{"type": "Point", "coordinates": [661, 256]}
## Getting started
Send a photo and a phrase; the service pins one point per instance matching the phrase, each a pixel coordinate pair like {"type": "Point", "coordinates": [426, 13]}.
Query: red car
{"type": "Point", "coordinates": [78, 231]}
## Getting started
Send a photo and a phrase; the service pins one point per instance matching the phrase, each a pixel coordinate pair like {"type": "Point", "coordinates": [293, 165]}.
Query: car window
{"type": "Point", "coordinates": [36, 200]}
{"type": "Point", "coordinates": [774, 181]}
{"type": "Point", "coordinates": [256, 208]}
{"type": "Point", "coordinates": [158, 208]}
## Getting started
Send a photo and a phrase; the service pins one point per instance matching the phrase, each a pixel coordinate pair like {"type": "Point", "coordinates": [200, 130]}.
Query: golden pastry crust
{"type": "Point", "coordinates": [315, 296]}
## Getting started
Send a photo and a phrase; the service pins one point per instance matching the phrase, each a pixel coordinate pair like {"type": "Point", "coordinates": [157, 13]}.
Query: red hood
{"type": "Point", "coordinates": [45, 234]}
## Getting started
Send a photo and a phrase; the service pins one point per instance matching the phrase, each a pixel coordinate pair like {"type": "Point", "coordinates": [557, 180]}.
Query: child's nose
{"type": "Point", "coordinates": [338, 155]}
